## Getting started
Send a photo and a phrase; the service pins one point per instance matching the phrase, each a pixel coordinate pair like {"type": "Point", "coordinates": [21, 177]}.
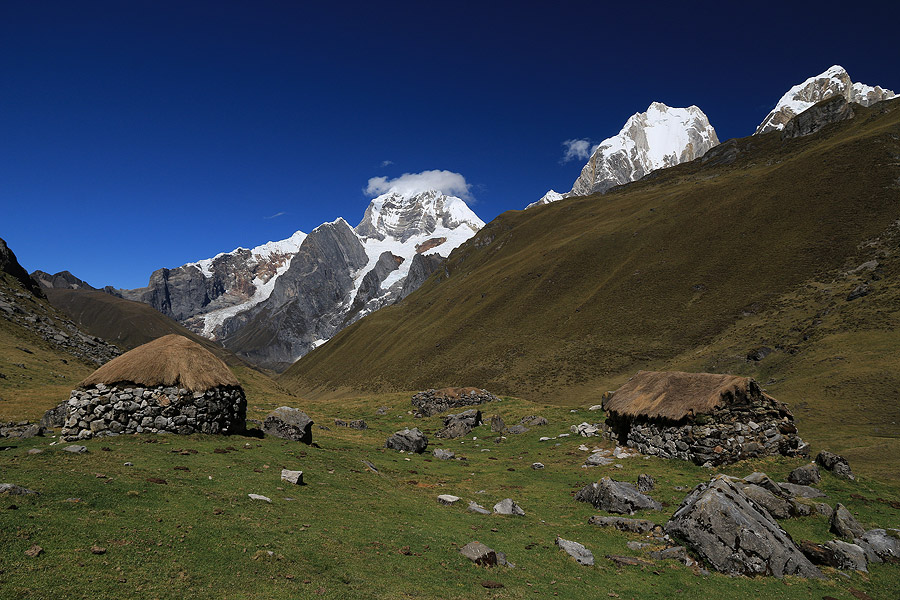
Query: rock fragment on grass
{"type": "Point", "coordinates": [260, 497]}
{"type": "Point", "coordinates": [290, 424]}
{"type": "Point", "coordinates": [15, 490]}
{"type": "Point", "coordinates": [848, 556]}
{"type": "Point", "coordinates": [793, 490]}
{"type": "Point", "coordinates": [884, 543]}
{"type": "Point", "coordinates": [442, 454]}
{"type": "Point", "coordinates": [582, 555]}
{"type": "Point", "coordinates": [294, 477]}
{"type": "Point", "coordinates": [75, 449]}
{"type": "Point", "coordinates": [616, 496]}
{"type": "Point", "coordinates": [844, 524]}
{"type": "Point", "coordinates": [479, 554]}
{"type": "Point", "coordinates": [537, 466]}
{"type": "Point", "coordinates": [408, 440]}
{"type": "Point", "coordinates": [448, 499]}
{"type": "Point", "coordinates": [623, 524]}
{"type": "Point", "coordinates": [805, 475]}
{"type": "Point", "coordinates": [835, 463]}
{"type": "Point", "coordinates": [477, 508]}
{"type": "Point", "coordinates": [508, 507]}
{"type": "Point", "coordinates": [645, 483]}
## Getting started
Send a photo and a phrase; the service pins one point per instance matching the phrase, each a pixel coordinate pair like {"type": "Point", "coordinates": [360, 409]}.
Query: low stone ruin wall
{"type": "Point", "coordinates": [433, 402]}
{"type": "Point", "coordinates": [725, 437]}
{"type": "Point", "coordinates": [100, 410]}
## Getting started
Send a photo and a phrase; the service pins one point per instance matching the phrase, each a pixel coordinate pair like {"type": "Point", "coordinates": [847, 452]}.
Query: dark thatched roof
{"type": "Point", "coordinates": [172, 360]}
{"type": "Point", "coordinates": [675, 395]}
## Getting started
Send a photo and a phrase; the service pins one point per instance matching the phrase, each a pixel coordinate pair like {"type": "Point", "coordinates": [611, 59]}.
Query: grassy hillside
{"type": "Point", "coordinates": [683, 269]}
{"type": "Point", "coordinates": [353, 533]}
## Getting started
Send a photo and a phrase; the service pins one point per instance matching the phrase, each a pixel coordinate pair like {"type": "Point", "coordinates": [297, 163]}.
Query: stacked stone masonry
{"type": "Point", "coordinates": [730, 434]}
{"type": "Point", "coordinates": [101, 411]}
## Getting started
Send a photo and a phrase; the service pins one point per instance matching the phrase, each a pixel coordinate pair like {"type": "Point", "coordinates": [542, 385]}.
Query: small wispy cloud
{"type": "Point", "coordinates": [447, 182]}
{"type": "Point", "coordinates": [276, 215]}
{"type": "Point", "coordinates": [386, 163]}
{"type": "Point", "coordinates": [577, 150]}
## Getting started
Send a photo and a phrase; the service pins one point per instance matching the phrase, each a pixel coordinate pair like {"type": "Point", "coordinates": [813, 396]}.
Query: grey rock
{"type": "Point", "coordinates": [799, 509]}
{"type": "Point", "coordinates": [458, 425]}
{"type": "Point", "coordinates": [16, 490]}
{"type": "Point", "coordinates": [408, 440]}
{"type": "Point", "coordinates": [533, 421]}
{"type": "Point", "coordinates": [259, 497]}
{"type": "Point", "coordinates": [432, 402]}
{"type": "Point", "coordinates": [623, 524]}
{"type": "Point", "coordinates": [442, 454]}
{"type": "Point", "coordinates": [765, 482]}
{"type": "Point", "coordinates": [582, 555]}
{"type": "Point", "coordinates": [294, 477]}
{"type": "Point", "coordinates": [793, 490]}
{"type": "Point", "coordinates": [75, 449]}
{"type": "Point", "coordinates": [477, 508]}
{"type": "Point", "coordinates": [678, 553]}
{"type": "Point", "coordinates": [777, 507]}
{"type": "Point", "coordinates": [844, 524]}
{"type": "Point", "coordinates": [55, 417]}
{"type": "Point", "coordinates": [598, 459]}
{"type": "Point", "coordinates": [508, 507]}
{"type": "Point", "coordinates": [421, 267]}
{"type": "Point", "coordinates": [479, 554]}
{"type": "Point", "coordinates": [33, 451]}
{"type": "Point", "coordinates": [848, 556]}
{"type": "Point", "coordinates": [859, 291]}
{"type": "Point", "coordinates": [355, 424]}
{"type": "Point", "coordinates": [497, 424]}
{"type": "Point", "coordinates": [645, 483]}
{"type": "Point", "coordinates": [447, 499]}
{"type": "Point", "coordinates": [616, 496]}
{"type": "Point", "coordinates": [824, 510]}
{"type": "Point", "coordinates": [805, 475]}
{"type": "Point", "coordinates": [537, 466]}
{"type": "Point", "coordinates": [832, 110]}
{"type": "Point", "coordinates": [720, 523]}
{"type": "Point", "coordinates": [517, 429]}
{"type": "Point", "coordinates": [883, 543]}
{"type": "Point", "coordinates": [289, 424]}
{"type": "Point", "coordinates": [836, 464]}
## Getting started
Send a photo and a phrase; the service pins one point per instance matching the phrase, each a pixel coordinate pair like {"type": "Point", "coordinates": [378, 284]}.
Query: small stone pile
{"type": "Point", "coordinates": [100, 410]}
{"type": "Point", "coordinates": [433, 402]}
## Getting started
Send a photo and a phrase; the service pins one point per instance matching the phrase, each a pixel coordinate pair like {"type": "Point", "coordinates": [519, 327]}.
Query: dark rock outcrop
{"type": "Point", "coordinates": [816, 117]}
{"type": "Point", "coordinates": [420, 269]}
{"type": "Point", "coordinates": [616, 496]}
{"type": "Point", "coordinates": [408, 440]}
{"type": "Point", "coordinates": [60, 281]}
{"type": "Point", "coordinates": [623, 524]}
{"type": "Point", "coordinates": [835, 463]}
{"type": "Point", "coordinates": [289, 424]}
{"type": "Point", "coordinates": [805, 475]}
{"type": "Point", "coordinates": [9, 264]}
{"type": "Point", "coordinates": [844, 524]}
{"type": "Point", "coordinates": [461, 424]}
{"type": "Point", "coordinates": [720, 523]}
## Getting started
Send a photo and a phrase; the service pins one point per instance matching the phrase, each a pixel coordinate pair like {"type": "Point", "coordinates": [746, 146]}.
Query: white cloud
{"type": "Point", "coordinates": [447, 182]}
{"type": "Point", "coordinates": [278, 214]}
{"type": "Point", "coordinates": [577, 150]}
{"type": "Point", "coordinates": [386, 163]}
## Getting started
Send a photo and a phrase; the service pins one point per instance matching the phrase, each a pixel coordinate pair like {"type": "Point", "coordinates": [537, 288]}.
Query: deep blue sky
{"type": "Point", "coordinates": [137, 135]}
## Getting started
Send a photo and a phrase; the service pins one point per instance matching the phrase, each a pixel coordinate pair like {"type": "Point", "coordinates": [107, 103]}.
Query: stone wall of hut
{"type": "Point", "coordinates": [728, 435]}
{"type": "Point", "coordinates": [100, 411]}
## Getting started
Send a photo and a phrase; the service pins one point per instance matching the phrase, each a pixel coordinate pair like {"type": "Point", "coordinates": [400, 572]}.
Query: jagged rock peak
{"type": "Point", "coordinates": [658, 138]}
{"type": "Point", "coordinates": [265, 251]}
{"type": "Point", "coordinates": [834, 81]}
{"type": "Point", "coordinates": [62, 280]}
{"type": "Point", "coordinates": [550, 196]}
{"type": "Point", "coordinates": [403, 216]}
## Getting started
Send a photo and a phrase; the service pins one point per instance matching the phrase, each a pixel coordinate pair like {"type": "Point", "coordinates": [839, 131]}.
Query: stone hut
{"type": "Point", "coordinates": [700, 417]}
{"type": "Point", "coordinates": [169, 385]}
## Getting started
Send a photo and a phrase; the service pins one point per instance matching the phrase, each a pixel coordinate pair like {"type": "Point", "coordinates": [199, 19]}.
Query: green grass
{"type": "Point", "coordinates": [351, 533]}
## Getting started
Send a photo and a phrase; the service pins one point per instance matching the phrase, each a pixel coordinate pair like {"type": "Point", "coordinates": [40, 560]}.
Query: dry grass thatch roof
{"type": "Point", "coordinates": [675, 395]}
{"type": "Point", "coordinates": [172, 360]}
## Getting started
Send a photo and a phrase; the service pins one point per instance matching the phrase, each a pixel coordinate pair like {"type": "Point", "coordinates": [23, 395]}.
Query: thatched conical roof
{"type": "Point", "coordinates": [172, 360]}
{"type": "Point", "coordinates": [675, 395]}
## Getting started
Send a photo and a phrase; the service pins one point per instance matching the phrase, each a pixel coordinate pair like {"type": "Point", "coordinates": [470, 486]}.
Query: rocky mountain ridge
{"type": "Point", "coordinates": [296, 293]}
{"type": "Point", "coordinates": [835, 81]}
{"type": "Point", "coordinates": [660, 137]}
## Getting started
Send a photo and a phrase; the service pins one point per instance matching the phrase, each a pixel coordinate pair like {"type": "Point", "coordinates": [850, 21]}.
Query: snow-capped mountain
{"type": "Point", "coordinates": [835, 81]}
{"type": "Point", "coordinates": [658, 138]}
{"type": "Point", "coordinates": [278, 301]}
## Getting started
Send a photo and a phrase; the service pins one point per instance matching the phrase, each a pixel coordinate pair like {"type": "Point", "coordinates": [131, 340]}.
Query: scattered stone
{"type": "Point", "coordinates": [844, 524]}
{"type": "Point", "coordinates": [408, 440]}
{"type": "Point", "coordinates": [157, 480]}
{"type": "Point", "coordinates": [357, 424]}
{"type": "Point", "coordinates": [508, 507]}
{"type": "Point", "coordinates": [491, 584]}
{"type": "Point", "coordinates": [433, 402]}
{"type": "Point", "coordinates": [95, 549]}
{"type": "Point", "coordinates": [34, 551]}
{"type": "Point", "coordinates": [381, 410]}
{"type": "Point", "coordinates": [517, 429]}
{"type": "Point", "coordinates": [678, 553]}
{"type": "Point", "coordinates": [533, 421]}
{"type": "Point", "coordinates": [259, 497]}
{"type": "Point", "coordinates": [800, 509]}
{"type": "Point", "coordinates": [15, 490]}
{"type": "Point", "coordinates": [582, 555]}
{"type": "Point", "coordinates": [598, 459]}
{"type": "Point", "coordinates": [758, 354]}
{"type": "Point", "coordinates": [497, 424]}
{"type": "Point", "coordinates": [794, 490]}
{"type": "Point", "coordinates": [616, 496]}
{"type": "Point", "coordinates": [645, 483]}
{"type": "Point", "coordinates": [628, 561]}
{"type": "Point", "coordinates": [75, 449]}
{"type": "Point", "coordinates": [824, 509]}
{"type": "Point", "coordinates": [477, 508]}
{"type": "Point", "coordinates": [447, 499]}
{"type": "Point", "coordinates": [596, 407]}
{"type": "Point", "coordinates": [479, 554]}
{"type": "Point", "coordinates": [722, 525]}
{"type": "Point", "coordinates": [585, 429]}
{"type": "Point", "coordinates": [836, 464]}
{"type": "Point", "coordinates": [129, 464]}
{"type": "Point", "coordinates": [33, 451]}
{"type": "Point", "coordinates": [623, 524]}
{"type": "Point", "coordinates": [289, 424]}
{"type": "Point", "coordinates": [805, 475]}
{"type": "Point", "coordinates": [818, 554]}
{"type": "Point", "coordinates": [294, 477]}
{"type": "Point", "coordinates": [858, 292]}
{"type": "Point", "coordinates": [848, 556]}
{"type": "Point", "coordinates": [370, 466]}
{"type": "Point", "coordinates": [442, 454]}
{"type": "Point", "coordinates": [537, 466]}
{"type": "Point", "coordinates": [456, 426]}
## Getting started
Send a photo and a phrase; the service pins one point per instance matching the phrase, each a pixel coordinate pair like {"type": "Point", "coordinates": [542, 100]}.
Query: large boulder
{"type": "Point", "coordinates": [883, 543]}
{"type": "Point", "coordinates": [582, 555]}
{"type": "Point", "coordinates": [721, 524]}
{"type": "Point", "coordinates": [55, 418]}
{"type": "Point", "coordinates": [777, 507]}
{"type": "Point", "coordinates": [479, 554]}
{"type": "Point", "coordinates": [835, 463]}
{"type": "Point", "coordinates": [805, 475]}
{"type": "Point", "coordinates": [848, 556]}
{"type": "Point", "coordinates": [289, 424]}
{"type": "Point", "coordinates": [616, 496]}
{"type": "Point", "coordinates": [408, 440]}
{"type": "Point", "coordinates": [456, 426]}
{"type": "Point", "coordinates": [844, 524]}
{"type": "Point", "coordinates": [508, 506]}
